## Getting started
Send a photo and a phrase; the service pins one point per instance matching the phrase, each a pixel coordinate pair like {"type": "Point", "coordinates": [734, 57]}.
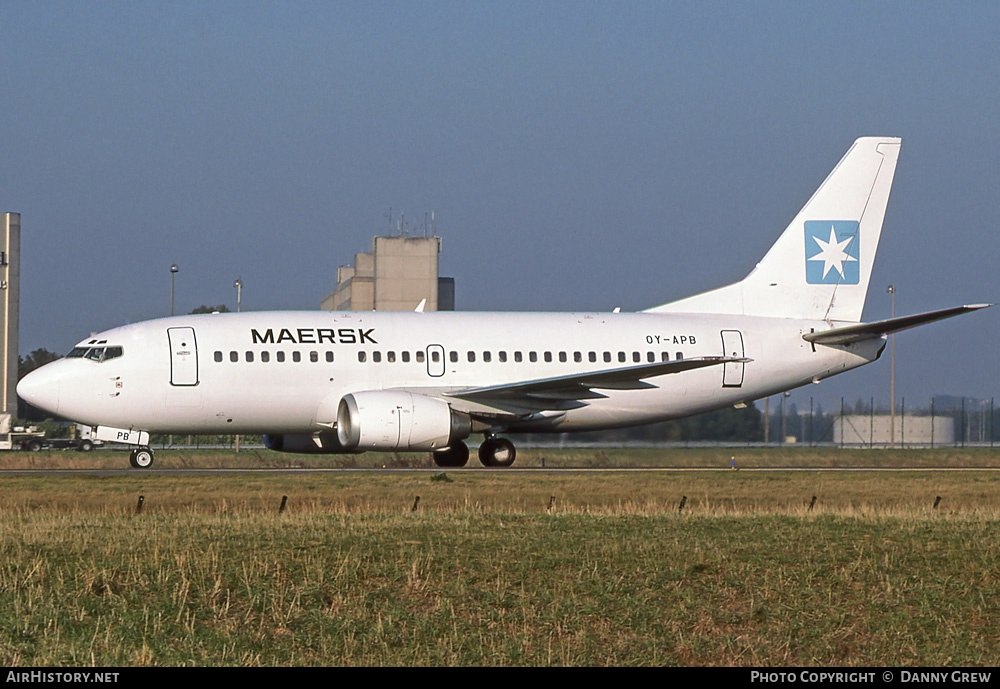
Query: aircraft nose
{"type": "Point", "coordinates": [40, 388]}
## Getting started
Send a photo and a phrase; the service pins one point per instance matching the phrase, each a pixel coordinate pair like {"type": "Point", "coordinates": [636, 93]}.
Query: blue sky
{"type": "Point", "coordinates": [576, 155]}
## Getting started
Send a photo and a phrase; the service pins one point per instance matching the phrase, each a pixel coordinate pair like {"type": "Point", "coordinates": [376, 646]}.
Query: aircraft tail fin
{"type": "Point", "coordinates": [821, 264]}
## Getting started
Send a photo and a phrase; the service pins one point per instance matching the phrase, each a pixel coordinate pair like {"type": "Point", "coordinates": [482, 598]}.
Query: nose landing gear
{"type": "Point", "coordinates": [141, 458]}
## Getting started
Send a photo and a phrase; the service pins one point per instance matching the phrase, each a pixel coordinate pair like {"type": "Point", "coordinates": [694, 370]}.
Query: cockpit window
{"type": "Point", "coordinates": [97, 354]}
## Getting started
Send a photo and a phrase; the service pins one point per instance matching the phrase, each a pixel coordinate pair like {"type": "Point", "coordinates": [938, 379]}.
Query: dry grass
{"type": "Point", "coordinates": [625, 492]}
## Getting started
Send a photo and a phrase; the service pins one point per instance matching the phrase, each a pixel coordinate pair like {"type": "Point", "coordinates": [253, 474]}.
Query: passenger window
{"type": "Point", "coordinates": [234, 357]}
{"type": "Point", "coordinates": [390, 357]}
{"type": "Point", "coordinates": [665, 356]}
{"type": "Point", "coordinates": [280, 357]}
{"type": "Point", "coordinates": [265, 356]}
{"type": "Point", "coordinates": [361, 357]}
{"type": "Point", "coordinates": [314, 357]}
{"type": "Point", "coordinates": [406, 357]}
{"type": "Point", "coordinates": [420, 357]}
{"type": "Point", "coordinates": [607, 357]}
{"type": "Point", "coordinates": [562, 357]}
{"type": "Point", "coordinates": [577, 357]}
{"type": "Point", "coordinates": [218, 356]}
{"type": "Point", "coordinates": [453, 356]}
{"type": "Point", "coordinates": [487, 357]}
{"type": "Point", "coordinates": [296, 356]}
{"type": "Point", "coordinates": [636, 357]}
{"type": "Point", "coordinates": [435, 356]}
{"type": "Point", "coordinates": [249, 356]}
{"type": "Point", "coordinates": [329, 357]}
{"type": "Point", "coordinates": [621, 357]}
{"type": "Point", "coordinates": [377, 357]}
{"type": "Point", "coordinates": [680, 355]}
{"type": "Point", "coordinates": [592, 357]}
{"type": "Point", "coordinates": [532, 357]}
{"type": "Point", "coordinates": [548, 357]}
{"type": "Point", "coordinates": [472, 357]}
{"type": "Point", "coordinates": [502, 356]}
{"type": "Point", "coordinates": [517, 357]}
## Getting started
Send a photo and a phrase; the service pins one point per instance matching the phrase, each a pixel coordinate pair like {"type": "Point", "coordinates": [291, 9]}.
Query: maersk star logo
{"type": "Point", "coordinates": [832, 252]}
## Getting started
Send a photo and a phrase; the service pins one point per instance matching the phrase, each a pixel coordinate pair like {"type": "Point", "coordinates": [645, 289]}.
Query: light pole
{"type": "Point", "coordinates": [173, 272]}
{"type": "Point", "coordinates": [784, 433]}
{"type": "Point", "coordinates": [239, 298]}
{"type": "Point", "coordinates": [767, 420]}
{"type": "Point", "coordinates": [891, 289]}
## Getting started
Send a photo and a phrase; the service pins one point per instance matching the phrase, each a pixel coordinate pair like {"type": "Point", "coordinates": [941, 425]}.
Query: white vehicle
{"type": "Point", "coordinates": [322, 382]}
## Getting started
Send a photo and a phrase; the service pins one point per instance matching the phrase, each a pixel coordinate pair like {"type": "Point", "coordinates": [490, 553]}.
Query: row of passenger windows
{"type": "Point", "coordinates": [279, 356]}
{"type": "Point", "coordinates": [471, 356]}
{"type": "Point", "coordinates": [532, 357]}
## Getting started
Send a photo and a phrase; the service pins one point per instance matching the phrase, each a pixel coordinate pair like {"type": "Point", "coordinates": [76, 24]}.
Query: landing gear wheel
{"type": "Point", "coordinates": [34, 445]}
{"type": "Point", "coordinates": [86, 446]}
{"type": "Point", "coordinates": [141, 458]}
{"type": "Point", "coordinates": [497, 452]}
{"type": "Point", "coordinates": [454, 456]}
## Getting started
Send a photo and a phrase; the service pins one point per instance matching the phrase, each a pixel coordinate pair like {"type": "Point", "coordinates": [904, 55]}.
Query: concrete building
{"type": "Point", "coordinates": [865, 429]}
{"type": "Point", "coordinates": [397, 274]}
{"type": "Point", "coordinates": [10, 294]}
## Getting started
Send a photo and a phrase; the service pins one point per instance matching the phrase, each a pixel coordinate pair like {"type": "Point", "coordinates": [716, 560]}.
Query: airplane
{"type": "Point", "coordinates": [344, 382]}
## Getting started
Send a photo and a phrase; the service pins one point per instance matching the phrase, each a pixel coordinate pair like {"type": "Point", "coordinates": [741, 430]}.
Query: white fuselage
{"type": "Point", "coordinates": [286, 372]}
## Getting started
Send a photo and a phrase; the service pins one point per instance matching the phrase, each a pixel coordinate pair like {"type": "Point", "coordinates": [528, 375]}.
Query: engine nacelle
{"type": "Point", "coordinates": [386, 420]}
{"type": "Point", "coordinates": [306, 443]}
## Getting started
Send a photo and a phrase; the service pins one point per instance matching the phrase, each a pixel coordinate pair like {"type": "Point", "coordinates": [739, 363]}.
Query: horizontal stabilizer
{"type": "Point", "coordinates": [867, 331]}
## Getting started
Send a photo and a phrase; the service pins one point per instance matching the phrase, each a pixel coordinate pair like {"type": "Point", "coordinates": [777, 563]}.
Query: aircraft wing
{"type": "Point", "coordinates": [570, 391]}
{"type": "Point", "coordinates": [866, 331]}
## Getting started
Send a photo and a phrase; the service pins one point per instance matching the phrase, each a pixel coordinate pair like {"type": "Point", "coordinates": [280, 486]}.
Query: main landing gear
{"type": "Point", "coordinates": [494, 452]}
{"type": "Point", "coordinates": [497, 452]}
{"type": "Point", "coordinates": [141, 458]}
{"type": "Point", "coordinates": [452, 457]}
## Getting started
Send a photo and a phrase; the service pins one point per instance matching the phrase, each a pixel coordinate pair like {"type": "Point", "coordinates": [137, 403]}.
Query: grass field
{"type": "Point", "coordinates": [493, 568]}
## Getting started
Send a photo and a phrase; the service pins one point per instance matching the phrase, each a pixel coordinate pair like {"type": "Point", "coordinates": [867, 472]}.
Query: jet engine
{"type": "Point", "coordinates": [387, 420]}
